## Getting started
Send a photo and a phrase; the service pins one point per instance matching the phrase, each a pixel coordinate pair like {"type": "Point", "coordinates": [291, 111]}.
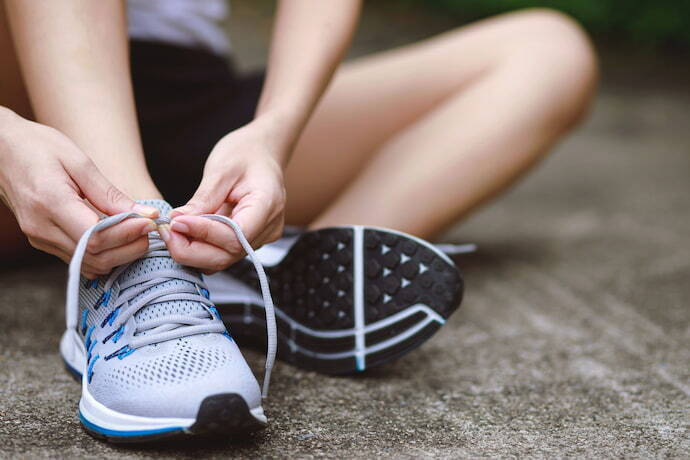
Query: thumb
{"type": "Point", "coordinates": [104, 196]}
{"type": "Point", "coordinates": [210, 196]}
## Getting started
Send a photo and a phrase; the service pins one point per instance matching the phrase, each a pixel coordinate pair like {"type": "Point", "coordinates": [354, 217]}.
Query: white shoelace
{"type": "Point", "coordinates": [172, 326]}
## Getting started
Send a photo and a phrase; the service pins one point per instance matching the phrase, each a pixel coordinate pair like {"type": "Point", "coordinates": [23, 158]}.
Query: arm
{"type": "Point", "coordinates": [243, 177]}
{"type": "Point", "coordinates": [73, 58]}
{"type": "Point", "coordinates": [310, 39]}
{"type": "Point", "coordinates": [75, 62]}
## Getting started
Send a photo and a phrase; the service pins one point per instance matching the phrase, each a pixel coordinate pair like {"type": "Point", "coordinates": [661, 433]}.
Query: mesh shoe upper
{"type": "Point", "coordinates": [171, 379]}
{"type": "Point", "coordinates": [168, 378]}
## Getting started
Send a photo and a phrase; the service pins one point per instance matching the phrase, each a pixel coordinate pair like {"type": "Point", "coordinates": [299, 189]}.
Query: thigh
{"type": "Point", "coordinates": [373, 98]}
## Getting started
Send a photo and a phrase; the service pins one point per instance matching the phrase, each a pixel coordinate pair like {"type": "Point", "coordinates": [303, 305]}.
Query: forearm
{"type": "Point", "coordinates": [74, 58]}
{"type": "Point", "coordinates": [309, 40]}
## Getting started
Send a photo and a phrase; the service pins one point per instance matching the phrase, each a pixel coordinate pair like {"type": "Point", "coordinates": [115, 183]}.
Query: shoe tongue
{"type": "Point", "coordinates": [161, 205]}
{"type": "Point", "coordinates": [152, 264]}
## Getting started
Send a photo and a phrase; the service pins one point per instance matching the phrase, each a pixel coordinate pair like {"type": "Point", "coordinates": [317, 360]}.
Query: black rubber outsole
{"type": "Point", "coordinates": [314, 286]}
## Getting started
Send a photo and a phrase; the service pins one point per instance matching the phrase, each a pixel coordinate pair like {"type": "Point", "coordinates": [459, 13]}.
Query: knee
{"type": "Point", "coordinates": [561, 49]}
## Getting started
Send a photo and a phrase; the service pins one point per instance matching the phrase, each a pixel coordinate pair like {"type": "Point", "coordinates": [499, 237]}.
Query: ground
{"type": "Point", "coordinates": [573, 340]}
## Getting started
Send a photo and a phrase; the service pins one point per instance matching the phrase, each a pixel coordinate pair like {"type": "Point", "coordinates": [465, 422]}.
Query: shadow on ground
{"type": "Point", "coordinates": [573, 339]}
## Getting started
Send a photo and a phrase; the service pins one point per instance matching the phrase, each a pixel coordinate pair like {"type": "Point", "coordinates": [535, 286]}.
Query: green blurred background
{"type": "Point", "coordinates": [645, 23]}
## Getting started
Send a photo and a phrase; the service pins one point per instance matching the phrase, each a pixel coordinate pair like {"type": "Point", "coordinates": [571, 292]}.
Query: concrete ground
{"type": "Point", "coordinates": [574, 338]}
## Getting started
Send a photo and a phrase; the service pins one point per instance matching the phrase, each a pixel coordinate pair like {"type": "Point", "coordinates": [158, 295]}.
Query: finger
{"type": "Point", "coordinates": [208, 231]}
{"type": "Point", "coordinates": [121, 234]}
{"type": "Point", "coordinates": [50, 249]}
{"type": "Point", "coordinates": [74, 219]}
{"type": "Point", "coordinates": [225, 209]}
{"type": "Point", "coordinates": [208, 198]}
{"type": "Point", "coordinates": [66, 256]}
{"type": "Point", "coordinates": [252, 214]}
{"type": "Point", "coordinates": [61, 246]}
{"type": "Point", "coordinates": [198, 254]}
{"type": "Point", "coordinates": [53, 237]}
{"type": "Point", "coordinates": [272, 232]}
{"type": "Point", "coordinates": [74, 216]}
{"type": "Point", "coordinates": [86, 270]}
{"type": "Point", "coordinates": [207, 246]}
{"type": "Point", "coordinates": [60, 253]}
{"type": "Point", "coordinates": [100, 192]}
{"type": "Point", "coordinates": [105, 261]}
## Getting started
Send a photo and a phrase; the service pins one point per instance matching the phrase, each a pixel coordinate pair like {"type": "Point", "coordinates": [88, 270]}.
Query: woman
{"type": "Point", "coordinates": [410, 139]}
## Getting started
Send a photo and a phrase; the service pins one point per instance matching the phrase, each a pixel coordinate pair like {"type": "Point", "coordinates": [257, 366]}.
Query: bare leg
{"type": "Point", "coordinates": [13, 94]}
{"type": "Point", "coordinates": [417, 137]}
{"type": "Point", "coordinates": [105, 129]}
{"type": "Point", "coordinates": [78, 83]}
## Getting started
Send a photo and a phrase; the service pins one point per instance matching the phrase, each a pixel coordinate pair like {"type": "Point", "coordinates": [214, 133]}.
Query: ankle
{"type": "Point", "coordinates": [139, 189]}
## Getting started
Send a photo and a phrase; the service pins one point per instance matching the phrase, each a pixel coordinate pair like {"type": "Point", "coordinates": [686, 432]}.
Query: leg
{"type": "Point", "coordinates": [117, 152]}
{"type": "Point", "coordinates": [414, 138]}
{"type": "Point", "coordinates": [86, 93]}
{"type": "Point", "coordinates": [13, 243]}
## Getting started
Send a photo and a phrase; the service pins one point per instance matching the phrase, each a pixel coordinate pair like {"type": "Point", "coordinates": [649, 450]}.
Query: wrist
{"type": "Point", "coordinates": [8, 120]}
{"type": "Point", "coordinates": [10, 123]}
{"type": "Point", "coordinates": [281, 132]}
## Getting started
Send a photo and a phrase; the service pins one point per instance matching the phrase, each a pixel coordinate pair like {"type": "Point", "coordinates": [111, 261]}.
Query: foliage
{"type": "Point", "coordinates": [646, 22]}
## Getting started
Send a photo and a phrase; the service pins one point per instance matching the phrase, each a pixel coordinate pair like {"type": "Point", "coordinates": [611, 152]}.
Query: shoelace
{"type": "Point", "coordinates": [172, 326]}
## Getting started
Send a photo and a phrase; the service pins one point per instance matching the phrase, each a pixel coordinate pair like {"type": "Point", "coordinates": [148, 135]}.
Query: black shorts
{"type": "Point", "coordinates": [187, 99]}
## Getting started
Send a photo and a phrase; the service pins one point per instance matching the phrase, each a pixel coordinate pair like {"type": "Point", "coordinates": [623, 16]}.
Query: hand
{"type": "Point", "coordinates": [45, 180]}
{"type": "Point", "coordinates": [242, 180]}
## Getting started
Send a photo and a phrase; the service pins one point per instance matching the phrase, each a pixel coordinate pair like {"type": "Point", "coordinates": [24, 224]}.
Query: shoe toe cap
{"type": "Point", "coordinates": [172, 379]}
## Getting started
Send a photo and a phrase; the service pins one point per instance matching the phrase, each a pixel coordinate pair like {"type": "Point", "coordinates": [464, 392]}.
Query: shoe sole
{"type": "Point", "coordinates": [219, 415]}
{"type": "Point", "coordinates": [347, 298]}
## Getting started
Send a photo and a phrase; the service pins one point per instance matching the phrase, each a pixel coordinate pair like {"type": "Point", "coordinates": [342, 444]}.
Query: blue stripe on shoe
{"type": "Point", "coordinates": [84, 316]}
{"type": "Point", "coordinates": [125, 434]}
{"type": "Point", "coordinates": [89, 371]}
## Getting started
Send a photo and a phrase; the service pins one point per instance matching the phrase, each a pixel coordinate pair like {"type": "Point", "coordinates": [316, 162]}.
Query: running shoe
{"type": "Point", "coordinates": [347, 298]}
{"type": "Point", "coordinates": [152, 353]}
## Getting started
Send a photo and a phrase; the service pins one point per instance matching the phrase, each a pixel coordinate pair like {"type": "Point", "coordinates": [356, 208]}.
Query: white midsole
{"type": "Point", "coordinates": [272, 254]}
{"type": "Point", "coordinates": [72, 351]}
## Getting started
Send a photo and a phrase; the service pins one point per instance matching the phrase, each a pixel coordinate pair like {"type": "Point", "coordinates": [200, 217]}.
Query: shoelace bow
{"type": "Point", "coordinates": [171, 326]}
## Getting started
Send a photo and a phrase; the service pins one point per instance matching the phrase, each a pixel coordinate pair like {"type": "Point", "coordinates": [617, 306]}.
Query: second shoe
{"type": "Point", "coordinates": [347, 298]}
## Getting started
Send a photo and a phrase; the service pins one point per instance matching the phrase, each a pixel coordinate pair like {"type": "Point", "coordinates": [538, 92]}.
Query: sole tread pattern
{"type": "Point", "coordinates": [408, 290]}
{"type": "Point", "coordinates": [401, 272]}
{"type": "Point", "coordinates": [313, 284]}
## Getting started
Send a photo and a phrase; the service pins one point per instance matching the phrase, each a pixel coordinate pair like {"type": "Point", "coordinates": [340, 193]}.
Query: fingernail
{"type": "Point", "coordinates": [180, 227]}
{"type": "Point", "coordinates": [164, 231]}
{"type": "Point", "coordinates": [150, 227]}
{"type": "Point", "coordinates": [146, 211]}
